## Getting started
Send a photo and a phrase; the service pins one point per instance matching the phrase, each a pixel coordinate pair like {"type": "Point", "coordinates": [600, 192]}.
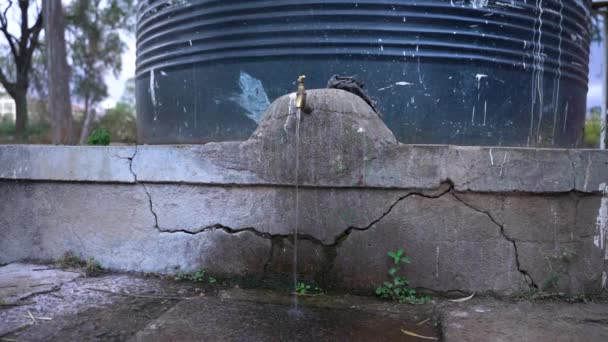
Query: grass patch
{"type": "Point", "coordinates": [199, 276]}
{"type": "Point", "coordinates": [304, 289]}
{"type": "Point", "coordinates": [91, 267]}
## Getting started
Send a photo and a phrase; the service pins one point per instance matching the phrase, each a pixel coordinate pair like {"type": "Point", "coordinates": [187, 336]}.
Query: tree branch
{"type": "Point", "coordinates": [9, 86]}
{"type": "Point", "coordinates": [25, 30]}
{"type": "Point", "coordinates": [4, 29]}
{"type": "Point", "coordinates": [34, 39]}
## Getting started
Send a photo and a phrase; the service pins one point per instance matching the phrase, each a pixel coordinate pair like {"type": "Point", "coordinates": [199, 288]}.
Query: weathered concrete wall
{"type": "Point", "coordinates": [499, 220]}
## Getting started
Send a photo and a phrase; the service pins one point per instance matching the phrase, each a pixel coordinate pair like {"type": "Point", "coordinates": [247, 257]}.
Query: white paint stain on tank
{"type": "Point", "coordinates": [152, 86]}
{"type": "Point", "coordinates": [479, 77]}
{"type": "Point", "coordinates": [479, 3]}
{"type": "Point", "coordinates": [253, 98]}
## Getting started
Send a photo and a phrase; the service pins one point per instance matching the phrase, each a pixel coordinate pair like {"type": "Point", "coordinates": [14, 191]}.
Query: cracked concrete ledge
{"type": "Point", "coordinates": [69, 164]}
{"type": "Point", "coordinates": [478, 169]}
{"type": "Point", "coordinates": [457, 241]}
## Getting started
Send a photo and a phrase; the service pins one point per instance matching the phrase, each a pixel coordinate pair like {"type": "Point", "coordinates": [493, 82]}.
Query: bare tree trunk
{"type": "Point", "coordinates": [89, 117]}
{"type": "Point", "coordinates": [59, 73]}
{"type": "Point", "coordinates": [20, 97]}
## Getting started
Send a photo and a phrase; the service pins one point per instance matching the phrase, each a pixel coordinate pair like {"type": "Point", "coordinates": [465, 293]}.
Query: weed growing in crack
{"type": "Point", "coordinates": [69, 260]}
{"type": "Point", "coordinates": [397, 289]}
{"type": "Point", "coordinates": [303, 289]}
{"type": "Point", "coordinates": [199, 276]}
{"type": "Point", "coordinates": [91, 267]}
{"type": "Point", "coordinates": [558, 263]}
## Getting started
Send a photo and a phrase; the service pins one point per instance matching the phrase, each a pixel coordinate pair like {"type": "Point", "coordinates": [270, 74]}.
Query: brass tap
{"type": "Point", "coordinates": [301, 94]}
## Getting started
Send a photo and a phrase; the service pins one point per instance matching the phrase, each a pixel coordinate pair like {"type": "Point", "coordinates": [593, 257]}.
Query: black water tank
{"type": "Point", "coordinates": [469, 72]}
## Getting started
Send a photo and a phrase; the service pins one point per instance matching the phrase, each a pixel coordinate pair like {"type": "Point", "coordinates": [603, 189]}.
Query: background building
{"type": "Point", "coordinates": [7, 106]}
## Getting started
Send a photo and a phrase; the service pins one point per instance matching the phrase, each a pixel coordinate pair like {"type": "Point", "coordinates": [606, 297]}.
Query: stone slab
{"type": "Point", "coordinates": [323, 214]}
{"type": "Point", "coordinates": [254, 162]}
{"type": "Point", "coordinates": [67, 163]}
{"type": "Point", "coordinates": [457, 241]}
{"type": "Point", "coordinates": [560, 240]}
{"type": "Point", "coordinates": [113, 223]}
{"type": "Point", "coordinates": [469, 168]}
{"type": "Point", "coordinates": [451, 247]}
{"type": "Point", "coordinates": [487, 320]}
{"type": "Point", "coordinates": [89, 309]}
{"type": "Point", "coordinates": [19, 280]}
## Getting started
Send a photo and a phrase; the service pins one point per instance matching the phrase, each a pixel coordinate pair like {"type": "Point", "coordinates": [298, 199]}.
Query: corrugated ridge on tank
{"type": "Point", "coordinates": [492, 50]}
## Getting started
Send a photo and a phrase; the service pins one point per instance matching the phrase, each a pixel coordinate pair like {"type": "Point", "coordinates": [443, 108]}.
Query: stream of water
{"type": "Point", "coordinates": [297, 212]}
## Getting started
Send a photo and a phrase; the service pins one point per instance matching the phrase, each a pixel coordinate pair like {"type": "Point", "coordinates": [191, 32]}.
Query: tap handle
{"type": "Point", "coordinates": [301, 82]}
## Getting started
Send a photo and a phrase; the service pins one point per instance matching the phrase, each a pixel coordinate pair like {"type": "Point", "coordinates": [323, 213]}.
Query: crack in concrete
{"type": "Point", "coordinates": [525, 274]}
{"type": "Point", "coordinates": [344, 235]}
{"type": "Point", "coordinates": [336, 241]}
{"type": "Point", "coordinates": [573, 165]}
{"type": "Point", "coordinates": [340, 238]}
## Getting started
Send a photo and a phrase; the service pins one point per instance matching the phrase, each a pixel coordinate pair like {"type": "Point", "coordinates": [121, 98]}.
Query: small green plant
{"type": "Point", "coordinates": [199, 276]}
{"type": "Point", "coordinates": [551, 282]}
{"type": "Point", "coordinates": [99, 137]}
{"type": "Point", "coordinates": [558, 262]}
{"type": "Point", "coordinates": [69, 260]}
{"type": "Point", "coordinates": [92, 267]}
{"type": "Point", "coordinates": [397, 288]}
{"type": "Point", "coordinates": [304, 289]}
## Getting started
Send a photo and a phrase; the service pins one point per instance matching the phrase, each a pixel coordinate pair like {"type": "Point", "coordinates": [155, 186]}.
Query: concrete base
{"type": "Point", "coordinates": [484, 219]}
{"type": "Point", "coordinates": [457, 241]}
{"type": "Point", "coordinates": [128, 307]}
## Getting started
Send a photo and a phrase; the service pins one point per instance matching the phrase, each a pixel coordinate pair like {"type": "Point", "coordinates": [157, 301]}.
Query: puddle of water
{"type": "Point", "coordinates": [210, 319]}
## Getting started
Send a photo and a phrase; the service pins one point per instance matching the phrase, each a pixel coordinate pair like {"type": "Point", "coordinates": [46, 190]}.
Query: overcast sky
{"type": "Point", "coordinates": [594, 97]}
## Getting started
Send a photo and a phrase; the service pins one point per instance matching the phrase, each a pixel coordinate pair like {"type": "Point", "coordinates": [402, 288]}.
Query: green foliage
{"type": "Point", "coordinates": [7, 127]}
{"type": "Point", "coordinates": [593, 128]}
{"type": "Point", "coordinates": [557, 263]}
{"type": "Point", "coordinates": [92, 267]}
{"type": "Point", "coordinates": [99, 137]}
{"type": "Point", "coordinates": [20, 24]}
{"type": "Point", "coordinates": [305, 289]}
{"type": "Point", "coordinates": [128, 95]}
{"type": "Point", "coordinates": [551, 282]}
{"type": "Point", "coordinates": [120, 122]}
{"type": "Point", "coordinates": [35, 132]}
{"type": "Point", "coordinates": [199, 276]}
{"type": "Point", "coordinates": [96, 46]}
{"type": "Point", "coordinates": [397, 288]}
{"type": "Point", "coordinates": [69, 260]}
{"type": "Point", "coordinates": [595, 27]}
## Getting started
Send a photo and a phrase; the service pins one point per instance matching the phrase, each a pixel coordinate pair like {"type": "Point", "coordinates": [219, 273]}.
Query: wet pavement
{"type": "Point", "coordinates": [53, 305]}
{"type": "Point", "coordinates": [211, 319]}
